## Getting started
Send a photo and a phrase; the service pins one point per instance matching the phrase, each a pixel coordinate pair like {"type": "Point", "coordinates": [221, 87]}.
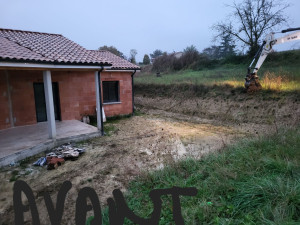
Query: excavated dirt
{"type": "Point", "coordinates": [169, 130]}
{"type": "Point", "coordinates": [246, 112]}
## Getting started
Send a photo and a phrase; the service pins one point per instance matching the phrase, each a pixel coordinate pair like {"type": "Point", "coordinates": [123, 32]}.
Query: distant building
{"type": "Point", "coordinates": [177, 55]}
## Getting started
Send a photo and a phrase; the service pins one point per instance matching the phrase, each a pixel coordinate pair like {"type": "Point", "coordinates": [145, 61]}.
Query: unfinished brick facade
{"type": "Point", "coordinates": [125, 105]}
{"type": "Point", "coordinates": [77, 95]}
{"type": "Point", "coordinates": [4, 104]}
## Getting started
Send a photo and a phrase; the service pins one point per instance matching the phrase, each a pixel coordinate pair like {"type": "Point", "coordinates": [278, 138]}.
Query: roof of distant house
{"type": "Point", "coordinates": [178, 54]}
{"type": "Point", "coordinates": [37, 47]}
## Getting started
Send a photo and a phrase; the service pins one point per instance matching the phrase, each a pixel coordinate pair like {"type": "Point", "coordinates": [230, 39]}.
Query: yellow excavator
{"type": "Point", "coordinates": [251, 80]}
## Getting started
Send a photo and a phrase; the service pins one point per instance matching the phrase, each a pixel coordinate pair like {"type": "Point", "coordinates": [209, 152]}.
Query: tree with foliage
{"type": "Point", "coordinates": [190, 55]}
{"type": "Point", "coordinates": [146, 59]}
{"type": "Point", "coordinates": [156, 54]}
{"type": "Point", "coordinates": [227, 46]}
{"type": "Point", "coordinates": [113, 50]}
{"type": "Point", "coordinates": [163, 63]}
{"type": "Point", "coordinates": [133, 53]}
{"type": "Point", "coordinates": [251, 20]}
{"type": "Point", "coordinates": [212, 52]}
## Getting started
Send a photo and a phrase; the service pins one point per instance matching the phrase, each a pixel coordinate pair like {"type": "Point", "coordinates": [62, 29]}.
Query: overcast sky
{"type": "Point", "coordinates": [169, 25]}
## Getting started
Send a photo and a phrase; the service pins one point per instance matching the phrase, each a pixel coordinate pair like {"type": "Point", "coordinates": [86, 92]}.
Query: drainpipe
{"type": "Point", "coordinates": [100, 96]}
{"type": "Point", "coordinates": [132, 83]}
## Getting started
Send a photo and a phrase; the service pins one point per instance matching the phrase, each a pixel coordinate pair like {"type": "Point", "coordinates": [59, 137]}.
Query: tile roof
{"type": "Point", "coordinates": [39, 47]}
{"type": "Point", "coordinates": [11, 50]}
{"type": "Point", "coordinates": [117, 62]}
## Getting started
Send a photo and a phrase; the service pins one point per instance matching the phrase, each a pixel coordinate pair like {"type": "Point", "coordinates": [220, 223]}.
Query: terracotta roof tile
{"type": "Point", "coordinates": [117, 62]}
{"type": "Point", "coordinates": [44, 47]}
{"type": "Point", "coordinates": [11, 50]}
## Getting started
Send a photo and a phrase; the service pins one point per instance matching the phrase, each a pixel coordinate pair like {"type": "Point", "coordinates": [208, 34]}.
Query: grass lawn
{"type": "Point", "coordinates": [285, 78]}
{"type": "Point", "coordinates": [256, 181]}
{"type": "Point", "coordinates": [252, 182]}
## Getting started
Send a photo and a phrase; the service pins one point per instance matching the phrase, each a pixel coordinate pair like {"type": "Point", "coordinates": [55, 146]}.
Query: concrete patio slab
{"type": "Point", "coordinates": [21, 142]}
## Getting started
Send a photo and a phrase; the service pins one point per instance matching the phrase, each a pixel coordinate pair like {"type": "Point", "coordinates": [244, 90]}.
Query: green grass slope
{"type": "Point", "coordinates": [253, 182]}
{"type": "Point", "coordinates": [280, 72]}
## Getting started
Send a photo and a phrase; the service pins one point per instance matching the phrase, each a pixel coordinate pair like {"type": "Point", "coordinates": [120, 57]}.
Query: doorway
{"type": "Point", "coordinates": [40, 101]}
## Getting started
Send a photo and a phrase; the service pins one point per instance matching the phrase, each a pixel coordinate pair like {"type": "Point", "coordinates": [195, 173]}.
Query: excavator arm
{"type": "Point", "coordinates": [251, 80]}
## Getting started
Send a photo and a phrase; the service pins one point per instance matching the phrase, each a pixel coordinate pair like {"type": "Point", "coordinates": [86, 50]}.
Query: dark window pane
{"type": "Point", "coordinates": [40, 102]}
{"type": "Point", "coordinates": [110, 91]}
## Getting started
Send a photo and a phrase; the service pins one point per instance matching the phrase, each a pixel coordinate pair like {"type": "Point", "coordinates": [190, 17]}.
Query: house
{"type": "Point", "coordinates": [47, 77]}
{"type": "Point", "coordinates": [178, 55]}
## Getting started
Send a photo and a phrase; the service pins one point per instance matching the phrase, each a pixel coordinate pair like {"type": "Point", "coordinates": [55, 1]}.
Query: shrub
{"type": "Point", "coordinates": [164, 63]}
{"type": "Point", "coordinates": [272, 82]}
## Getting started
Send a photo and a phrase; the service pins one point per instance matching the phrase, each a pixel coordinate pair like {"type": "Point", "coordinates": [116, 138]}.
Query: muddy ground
{"type": "Point", "coordinates": [165, 131]}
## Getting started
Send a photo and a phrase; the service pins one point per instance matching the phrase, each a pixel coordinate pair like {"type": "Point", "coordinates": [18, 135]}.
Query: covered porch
{"type": "Point", "coordinates": [24, 141]}
{"type": "Point", "coordinates": [19, 141]}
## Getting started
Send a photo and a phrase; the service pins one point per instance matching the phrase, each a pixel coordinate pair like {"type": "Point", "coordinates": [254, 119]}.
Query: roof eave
{"type": "Point", "coordinates": [15, 64]}
{"type": "Point", "coordinates": [123, 69]}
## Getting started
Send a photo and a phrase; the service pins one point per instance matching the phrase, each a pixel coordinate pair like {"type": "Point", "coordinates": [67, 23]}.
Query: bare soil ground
{"type": "Point", "coordinates": [250, 113]}
{"type": "Point", "coordinates": [169, 129]}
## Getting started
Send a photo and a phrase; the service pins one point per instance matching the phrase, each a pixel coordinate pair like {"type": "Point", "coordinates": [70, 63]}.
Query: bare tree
{"type": "Point", "coordinates": [252, 19]}
{"type": "Point", "coordinates": [133, 53]}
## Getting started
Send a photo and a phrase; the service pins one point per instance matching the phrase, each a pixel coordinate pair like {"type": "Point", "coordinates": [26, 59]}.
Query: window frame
{"type": "Point", "coordinates": [117, 92]}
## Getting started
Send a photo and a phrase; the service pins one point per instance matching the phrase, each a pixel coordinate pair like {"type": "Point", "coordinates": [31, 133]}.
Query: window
{"type": "Point", "coordinates": [110, 91]}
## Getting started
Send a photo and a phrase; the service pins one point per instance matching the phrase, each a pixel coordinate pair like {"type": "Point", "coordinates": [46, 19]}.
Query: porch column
{"type": "Point", "coordinates": [49, 104]}
{"type": "Point", "coordinates": [98, 106]}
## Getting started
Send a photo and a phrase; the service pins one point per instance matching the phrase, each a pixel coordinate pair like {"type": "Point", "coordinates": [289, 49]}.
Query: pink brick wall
{"type": "Point", "coordinates": [22, 96]}
{"type": "Point", "coordinates": [125, 107]}
{"type": "Point", "coordinates": [76, 92]}
{"type": "Point", "coordinates": [4, 109]}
